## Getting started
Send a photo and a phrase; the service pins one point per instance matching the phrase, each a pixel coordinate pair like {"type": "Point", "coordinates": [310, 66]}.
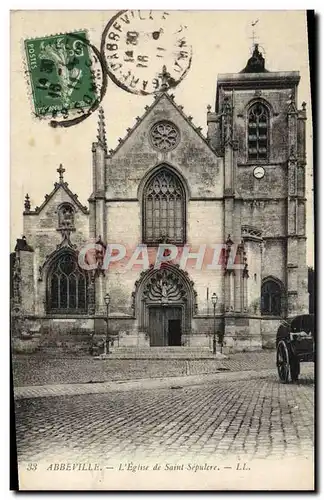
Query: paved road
{"type": "Point", "coordinates": [40, 369]}
{"type": "Point", "coordinates": [257, 418]}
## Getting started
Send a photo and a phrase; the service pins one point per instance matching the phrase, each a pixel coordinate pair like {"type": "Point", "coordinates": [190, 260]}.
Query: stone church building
{"type": "Point", "coordinates": [242, 187]}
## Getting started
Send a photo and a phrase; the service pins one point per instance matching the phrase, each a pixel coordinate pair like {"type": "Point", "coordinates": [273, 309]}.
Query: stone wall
{"type": "Point", "coordinates": [269, 328]}
{"type": "Point", "coordinates": [41, 231]}
{"type": "Point", "coordinates": [192, 158]}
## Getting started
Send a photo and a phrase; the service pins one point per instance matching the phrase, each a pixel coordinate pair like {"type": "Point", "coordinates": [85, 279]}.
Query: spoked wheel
{"type": "Point", "coordinates": [283, 362]}
{"type": "Point", "coordinates": [294, 369]}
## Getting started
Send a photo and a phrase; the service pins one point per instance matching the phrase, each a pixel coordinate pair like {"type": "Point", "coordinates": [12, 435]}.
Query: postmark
{"type": "Point", "coordinates": [67, 77]}
{"type": "Point", "coordinates": [146, 51]}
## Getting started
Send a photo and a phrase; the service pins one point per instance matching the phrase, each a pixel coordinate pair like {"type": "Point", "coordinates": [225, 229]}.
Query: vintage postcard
{"type": "Point", "coordinates": [162, 304]}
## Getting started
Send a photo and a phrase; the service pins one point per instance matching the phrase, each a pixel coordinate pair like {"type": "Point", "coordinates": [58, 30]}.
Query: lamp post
{"type": "Point", "coordinates": [214, 299]}
{"type": "Point", "coordinates": [107, 301]}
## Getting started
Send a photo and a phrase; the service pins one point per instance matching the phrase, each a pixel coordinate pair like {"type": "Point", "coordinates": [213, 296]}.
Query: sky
{"type": "Point", "coordinates": [221, 42]}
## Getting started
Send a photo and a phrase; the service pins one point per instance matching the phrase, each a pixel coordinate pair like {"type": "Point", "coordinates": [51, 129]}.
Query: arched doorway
{"type": "Point", "coordinates": [165, 302]}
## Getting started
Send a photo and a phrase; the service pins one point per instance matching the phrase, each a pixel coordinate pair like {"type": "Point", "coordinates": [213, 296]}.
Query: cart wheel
{"type": "Point", "coordinates": [294, 369]}
{"type": "Point", "coordinates": [283, 362]}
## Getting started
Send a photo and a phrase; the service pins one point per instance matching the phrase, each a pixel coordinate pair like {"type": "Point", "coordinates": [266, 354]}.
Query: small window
{"type": "Point", "coordinates": [66, 216]}
{"type": "Point", "coordinates": [258, 132]}
{"type": "Point", "coordinates": [271, 293]}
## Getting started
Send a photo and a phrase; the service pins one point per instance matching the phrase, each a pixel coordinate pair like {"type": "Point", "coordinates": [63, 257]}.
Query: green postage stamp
{"type": "Point", "coordinates": [62, 79]}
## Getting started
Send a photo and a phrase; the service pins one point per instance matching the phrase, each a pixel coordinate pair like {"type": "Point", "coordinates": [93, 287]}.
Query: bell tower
{"type": "Point", "coordinates": [261, 135]}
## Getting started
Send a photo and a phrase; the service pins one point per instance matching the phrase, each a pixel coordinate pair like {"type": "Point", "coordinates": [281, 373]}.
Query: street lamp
{"type": "Point", "coordinates": [214, 299]}
{"type": "Point", "coordinates": [107, 301]}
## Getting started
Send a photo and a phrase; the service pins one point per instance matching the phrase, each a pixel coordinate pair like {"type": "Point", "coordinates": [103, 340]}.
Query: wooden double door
{"type": "Point", "coordinates": [165, 325]}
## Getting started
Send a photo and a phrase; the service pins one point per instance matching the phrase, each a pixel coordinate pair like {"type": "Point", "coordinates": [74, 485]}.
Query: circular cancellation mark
{"type": "Point", "coordinates": [145, 52]}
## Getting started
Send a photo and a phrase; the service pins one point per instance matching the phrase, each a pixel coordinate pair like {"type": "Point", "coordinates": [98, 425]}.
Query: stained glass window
{"type": "Point", "coordinates": [164, 209]}
{"type": "Point", "coordinates": [67, 286]}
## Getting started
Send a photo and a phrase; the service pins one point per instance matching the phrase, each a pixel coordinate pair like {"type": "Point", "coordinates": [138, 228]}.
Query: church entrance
{"type": "Point", "coordinates": [165, 302]}
{"type": "Point", "coordinates": [165, 326]}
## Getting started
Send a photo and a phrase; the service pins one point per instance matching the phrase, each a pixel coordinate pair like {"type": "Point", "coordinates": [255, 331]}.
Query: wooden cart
{"type": "Point", "coordinates": [295, 344]}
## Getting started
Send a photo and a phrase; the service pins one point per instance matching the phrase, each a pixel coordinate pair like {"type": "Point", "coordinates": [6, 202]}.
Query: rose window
{"type": "Point", "coordinates": [164, 136]}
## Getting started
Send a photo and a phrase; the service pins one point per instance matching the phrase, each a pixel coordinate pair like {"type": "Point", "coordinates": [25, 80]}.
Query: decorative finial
{"type": "Point", "coordinates": [101, 136]}
{"type": "Point", "coordinates": [229, 241]}
{"type": "Point", "coordinates": [208, 108]}
{"type": "Point", "coordinates": [27, 203]}
{"type": "Point", "coordinates": [166, 79]}
{"type": "Point", "coordinates": [100, 241]}
{"type": "Point", "coordinates": [256, 62]}
{"type": "Point", "coordinates": [304, 106]}
{"type": "Point", "coordinates": [61, 171]}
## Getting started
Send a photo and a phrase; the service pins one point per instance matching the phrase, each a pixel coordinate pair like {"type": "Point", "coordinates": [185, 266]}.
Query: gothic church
{"type": "Point", "coordinates": [243, 186]}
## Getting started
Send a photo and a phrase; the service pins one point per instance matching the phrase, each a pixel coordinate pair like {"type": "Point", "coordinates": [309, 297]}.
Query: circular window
{"type": "Point", "coordinates": [165, 136]}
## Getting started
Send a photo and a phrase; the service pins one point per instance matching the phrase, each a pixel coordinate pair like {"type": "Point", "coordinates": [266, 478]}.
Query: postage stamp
{"type": "Point", "coordinates": [61, 74]}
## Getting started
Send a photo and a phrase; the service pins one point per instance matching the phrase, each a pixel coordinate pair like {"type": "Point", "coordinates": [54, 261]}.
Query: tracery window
{"type": "Point", "coordinates": [165, 136]}
{"type": "Point", "coordinates": [66, 286]}
{"type": "Point", "coordinates": [164, 209]}
{"type": "Point", "coordinates": [66, 216]}
{"type": "Point", "coordinates": [271, 298]}
{"type": "Point", "coordinates": [258, 132]}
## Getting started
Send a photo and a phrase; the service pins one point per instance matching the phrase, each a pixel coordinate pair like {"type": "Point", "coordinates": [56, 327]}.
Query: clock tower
{"type": "Point", "coordinates": [260, 132]}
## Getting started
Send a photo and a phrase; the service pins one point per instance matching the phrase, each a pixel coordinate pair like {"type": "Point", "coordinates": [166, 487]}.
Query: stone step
{"type": "Point", "coordinates": [161, 349]}
{"type": "Point", "coordinates": [162, 353]}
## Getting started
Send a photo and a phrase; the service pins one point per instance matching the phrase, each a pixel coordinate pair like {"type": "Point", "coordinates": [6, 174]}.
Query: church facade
{"type": "Point", "coordinates": [225, 214]}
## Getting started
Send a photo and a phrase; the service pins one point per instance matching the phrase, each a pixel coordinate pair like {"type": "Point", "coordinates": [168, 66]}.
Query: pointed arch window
{"type": "Point", "coordinates": [258, 132]}
{"type": "Point", "coordinates": [271, 298]}
{"type": "Point", "coordinates": [66, 286]}
{"type": "Point", "coordinates": [164, 209]}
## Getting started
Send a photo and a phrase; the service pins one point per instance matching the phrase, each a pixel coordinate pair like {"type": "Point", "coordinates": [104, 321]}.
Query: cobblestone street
{"type": "Point", "coordinates": [257, 418]}
{"type": "Point", "coordinates": [38, 369]}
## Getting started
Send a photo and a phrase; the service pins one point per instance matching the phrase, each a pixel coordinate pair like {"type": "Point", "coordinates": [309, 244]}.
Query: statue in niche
{"type": "Point", "coordinates": [164, 290]}
{"type": "Point", "coordinates": [66, 217]}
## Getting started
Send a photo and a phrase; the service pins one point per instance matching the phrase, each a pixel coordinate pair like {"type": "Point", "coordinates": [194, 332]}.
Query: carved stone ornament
{"type": "Point", "coordinates": [164, 287]}
{"type": "Point", "coordinates": [66, 216]}
{"type": "Point", "coordinates": [251, 231]}
{"type": "Point", "coordinates": [227, 122]}
{"type": "Point", "coordinates": [165, 136]}
{"type": "Point", "coordinates": [16, 280]}
{"type": "Point", "coordinates": [167, 285]}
